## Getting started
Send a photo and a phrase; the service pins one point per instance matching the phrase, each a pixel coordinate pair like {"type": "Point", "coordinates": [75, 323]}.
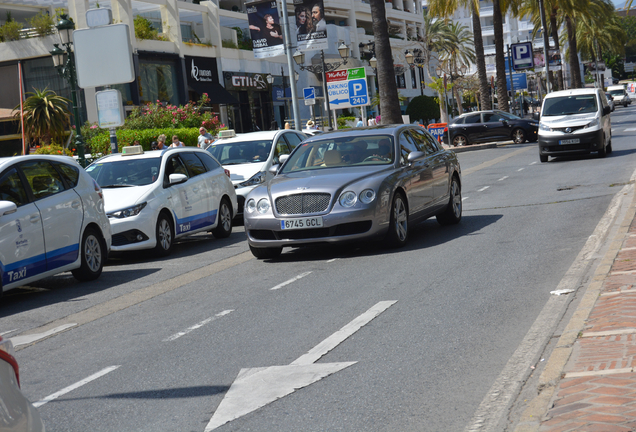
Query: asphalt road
{"type": "Point", "coordinates": [334, 338]}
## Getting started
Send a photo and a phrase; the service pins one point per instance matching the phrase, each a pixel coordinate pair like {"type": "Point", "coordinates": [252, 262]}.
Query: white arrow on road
{"type": "Point", "coordinates": [256, 387]}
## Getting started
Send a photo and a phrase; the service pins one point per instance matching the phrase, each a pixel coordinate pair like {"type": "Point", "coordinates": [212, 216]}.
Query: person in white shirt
{"type": "Point", "coordinates": [205, 139]}
{"type": "Point", "coordinates": [176, 142]}
{"type": "Point", "coordinates": [371, 121]}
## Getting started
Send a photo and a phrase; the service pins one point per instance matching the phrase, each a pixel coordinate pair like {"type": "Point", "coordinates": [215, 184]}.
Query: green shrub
{"type": "Point", "coordinates": [228, 43]}
{"type": "Point", "coordinates": [42, 23]}
{"type": "Point", "coordinates": [423, 108]}
{"type": "Point", "coordinates": [53, 149]}
{"type": "Point", "coordinates": [144, 29]}
{"type": "Point", "coordinates": [10, 31]}
{"type": "Point", "coordinates": [342, 122]}
{"type": "Point", "coordinates": [100, 143]}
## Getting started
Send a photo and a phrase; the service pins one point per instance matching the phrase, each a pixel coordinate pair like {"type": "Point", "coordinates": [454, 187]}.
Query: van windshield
{"type": "Point", "coordinates": [573, 104]}
{"type": "Point", "coordinates": [619, 92]}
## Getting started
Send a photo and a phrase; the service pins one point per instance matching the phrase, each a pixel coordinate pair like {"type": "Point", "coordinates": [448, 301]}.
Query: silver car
{"type": "Point", "coordinates": [360, 183]}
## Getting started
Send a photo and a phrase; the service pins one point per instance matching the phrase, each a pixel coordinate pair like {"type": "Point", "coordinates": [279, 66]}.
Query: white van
{"type": "Point", "coordinates": [575, 122]}
{"type": "Point", "coordinates": [619, 94]}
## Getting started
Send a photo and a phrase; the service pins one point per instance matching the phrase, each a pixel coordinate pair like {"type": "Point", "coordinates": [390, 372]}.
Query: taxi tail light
{"type": "Point", "coordinates": [6, 354]}
{"type": "Point", "coordinates": [227, 172]}
{"type": "Point", "coordinates": [98, 189]}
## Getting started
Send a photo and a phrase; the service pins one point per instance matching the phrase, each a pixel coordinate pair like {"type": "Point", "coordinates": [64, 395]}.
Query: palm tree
{"type": "Point", "coordinates": [500, 59]}
{"type": "Point", "coordinates": [389, 103]}
{"type": "Point", "coordinates": [445, 8]}
{"type": "Point", "coordinates": [600, 31]}
{"type": "Point", "coordinates": [46, 116]}
{"type": "Point", "coordinates": [459, 52]}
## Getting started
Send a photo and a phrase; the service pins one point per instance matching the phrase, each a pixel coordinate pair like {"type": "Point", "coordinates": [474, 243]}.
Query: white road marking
{"type": "Point", "coordinates": [533, 163]}
{"type": "Point", "coordinates": [464, 198]}
{"type": "Point", "coordinates": [256, 387]}
{"type": "Point", "coordinates": [483, 189]}
{"type": "Point", "coordinates": [196, 326]}
{"type": "Point", "coordinates": [294, 279]}
{"type": "Point", "coordinates": [520, 169]}
{"type": "Point", "coordinates": [332, 260]}
{"type": "Point", "coordinates": [7, 332]}
{"type": "Point", "coordinates": [78, 384]}
{"type": "Point", "coordinates": [28, 339]}
{"type": "Point", "coordinates": [630, 130]}
{"type": "Point", "coordinates": [503, 178]}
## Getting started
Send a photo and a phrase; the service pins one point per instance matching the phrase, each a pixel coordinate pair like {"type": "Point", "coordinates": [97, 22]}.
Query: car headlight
{"type": "Point", "coordinates": [257, 178]}
{"type": "Point", "coordinates": [128, 212]}
{"type": "Point", "coordinates": [263, 206]}
{"type": "Point", "coordinates": [544, 127]}
{"type": "Point", "coordinates": [592, 124]}
{"type": "Point", "coordinates": [250, 206]}
{"type": "Point", "coordinates": [367, 196]}
{"type": "Point", "coordinates": [533, 124]}
{"type": "Point", "coordinates": [348, 199]}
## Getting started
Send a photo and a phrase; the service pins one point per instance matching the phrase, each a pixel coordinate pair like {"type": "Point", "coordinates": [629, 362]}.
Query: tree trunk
{"type": "Point", "coordinates": [389, 102]}
{"type": "Point", "coordinates": [484, 87]}
{"type": "Point", "coordinates": [573, 58]}
{"type": "Point", "coordinates": [500, 61]}
{"type": "Point", "coordinates": [555, 36]}
{"type": "Point", "coordinates": [460, 108]}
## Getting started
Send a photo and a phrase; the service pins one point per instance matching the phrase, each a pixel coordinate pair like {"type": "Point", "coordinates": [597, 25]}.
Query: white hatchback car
{"type": "Point", "coordinates": [154, 197]}
{"type": "Point", "coordinates": [52, 220]}
{"type": "Point", "coordinates": [249, 156]}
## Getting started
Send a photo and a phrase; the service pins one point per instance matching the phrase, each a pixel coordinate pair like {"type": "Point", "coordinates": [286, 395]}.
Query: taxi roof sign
{"type": "Point", "coordinates": [132, 150]}
{"type": "Point", "coordinates": [230, 133]}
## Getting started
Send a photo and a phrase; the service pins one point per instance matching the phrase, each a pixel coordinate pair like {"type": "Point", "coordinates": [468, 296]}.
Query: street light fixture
{"type": "Point", "coordinates": [322, 69]}
{"type": "Point", "coordinates": [418, 62]}
{"type": "Point", "coordinates": [64, 62]}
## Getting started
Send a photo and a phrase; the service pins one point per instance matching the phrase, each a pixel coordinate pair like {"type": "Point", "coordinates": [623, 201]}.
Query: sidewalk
{"type": "Point", "coordinates": [589, 381]}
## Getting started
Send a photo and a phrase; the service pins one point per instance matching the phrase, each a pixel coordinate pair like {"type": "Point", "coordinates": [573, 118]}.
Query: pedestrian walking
{"type": "Point", "coordinates": [360, 124]}
{"type": "Point", "coordinates": [176, 142]}
{"type": "Point", "coordinates": [204, 139]}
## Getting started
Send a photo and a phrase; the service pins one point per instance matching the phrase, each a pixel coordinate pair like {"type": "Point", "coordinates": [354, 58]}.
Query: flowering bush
{"type": "Point", "coordinates": [53, 149]}
{"type": "Point", "coordinates": [100, 144]}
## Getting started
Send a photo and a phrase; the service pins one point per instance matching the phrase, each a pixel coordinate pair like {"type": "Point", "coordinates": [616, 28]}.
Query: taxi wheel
{"type": "Point", "coordinates": [266, 253]}
{"type": "Point", "coordinates": [224, 226]}
{"type": "Point", "coordinates": [93, 256]}
{"type": "Point", "coordinates": [399, 222]}
{"type": "Point", "coordinates": [453, 212]}
{"type": "Point", "coordinates": [165, 235]}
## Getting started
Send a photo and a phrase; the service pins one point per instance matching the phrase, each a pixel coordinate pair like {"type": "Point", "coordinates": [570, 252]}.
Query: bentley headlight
{"type": "Point", "coordinates": [256, 179]}
{"type": "Point", "coordinates": [367, 196]}
{"type": "Point", "coordinates": [544, 127]}
{"type": "Point", "coordinates": [348, 199]}
{"type": "Point", "coordinates": [250, 206]}
{"type": "Point", "coordinates": [128, 212]}
{"type": "Point", "coordinates": [263, 206]}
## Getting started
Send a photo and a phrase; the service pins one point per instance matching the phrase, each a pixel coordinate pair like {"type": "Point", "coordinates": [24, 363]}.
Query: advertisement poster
{"type": "Point", "coordinates": [265, 29]}
{"type": "Point", "coordinates": [311, 28]}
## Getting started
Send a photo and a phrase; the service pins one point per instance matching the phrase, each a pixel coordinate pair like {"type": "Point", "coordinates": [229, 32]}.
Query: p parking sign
{"type": "Point", "coordinates": [522, 56]}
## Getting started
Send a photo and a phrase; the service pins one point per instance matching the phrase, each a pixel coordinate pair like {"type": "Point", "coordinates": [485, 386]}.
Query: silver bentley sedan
{"type": "Point", "coordinates": [362, 183]}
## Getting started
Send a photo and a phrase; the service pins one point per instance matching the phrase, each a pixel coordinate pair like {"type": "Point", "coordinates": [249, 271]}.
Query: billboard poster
{"type": "Point", "coordinates": [265, 29]}
{"type": "Point", "coordinates": [311, 28]}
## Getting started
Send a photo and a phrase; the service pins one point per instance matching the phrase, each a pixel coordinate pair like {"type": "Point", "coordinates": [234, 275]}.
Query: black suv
{"type": "Point", "coordinates": [488, 126]}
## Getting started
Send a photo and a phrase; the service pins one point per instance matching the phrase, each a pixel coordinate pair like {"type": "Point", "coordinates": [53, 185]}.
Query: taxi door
{"type": "Point", "coordinates": [61, 210]}
{"type": "Point", "coordinates": [185, 199]}
{"type": "Point", "coordinates": [21, 234]}
{"type": "Point", "coordinates": [203, 190]}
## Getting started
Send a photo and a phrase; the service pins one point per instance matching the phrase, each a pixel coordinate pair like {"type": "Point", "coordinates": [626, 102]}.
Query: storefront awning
{"type": "Point", "coordinates": [216, 92]}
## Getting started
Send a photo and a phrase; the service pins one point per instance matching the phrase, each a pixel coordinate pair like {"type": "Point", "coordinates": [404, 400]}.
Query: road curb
{"type": "Point", "coordinates": [551, 376]}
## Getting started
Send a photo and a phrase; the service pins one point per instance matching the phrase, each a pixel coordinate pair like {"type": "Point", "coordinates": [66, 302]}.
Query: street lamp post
{"type": "Point", "coordinates": [414, 61]}
{"type": "Point", "coordinates": [64, 62]}
{"type": "Point", "coordinates": [323, 68]}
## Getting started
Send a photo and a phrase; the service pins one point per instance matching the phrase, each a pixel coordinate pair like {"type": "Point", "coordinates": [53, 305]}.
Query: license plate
{"type": "Point", "coordinates": [301, 223]}
{"type": "Point", "coordinates": [570, 141]}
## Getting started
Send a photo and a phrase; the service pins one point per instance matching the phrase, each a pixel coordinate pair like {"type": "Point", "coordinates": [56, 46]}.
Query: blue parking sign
{"type": "Point", "coordinates": [522, 56]}
{"type": "Point", "coordinates": [358, 92]}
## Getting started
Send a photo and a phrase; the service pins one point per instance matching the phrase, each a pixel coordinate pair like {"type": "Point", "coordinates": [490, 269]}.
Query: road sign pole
{"type": "Point", "coordinates": [512, 87]}
{"type": "Point", "coordinates": [324, 86]}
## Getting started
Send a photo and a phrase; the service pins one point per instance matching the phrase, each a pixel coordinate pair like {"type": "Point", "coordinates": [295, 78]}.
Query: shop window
{"type": "Point", "coordinates": [158, 82]}
{"type": "Point", "coordinates": [413, 79]}
{"type": "Point", "coordinates": [401, 81]}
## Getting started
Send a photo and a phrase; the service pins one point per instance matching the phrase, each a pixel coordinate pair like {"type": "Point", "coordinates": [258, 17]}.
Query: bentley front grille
{"type": "Point", "coordinates": [305, 203]}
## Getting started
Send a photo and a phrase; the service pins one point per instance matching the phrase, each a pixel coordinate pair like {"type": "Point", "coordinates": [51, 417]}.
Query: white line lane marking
{"type": "Point", "coordinates": [27, 339]}
{"type": "Point", "coordinates": [503, 178]}
{"type": "Point", "coordinates": [7, 332]}
{"type": "Point", "coordinates": [464, 198]}
{"type": "Point", "coordinates": [630, 130]}
{"type": "Point", "coordinates": [75, 386]}
{"type": "Point", "coordinates": [196, 326]}
{"type": "Point", "coordinates": [483, 189]}
{"type": "Point", "coordinates": [332, 260]}
{"type": "Point", "coordinates": [314, 354]}
{"type": "Point", "coordinates": [520, 169]}
{"type": "Point", "coordinates": [533, 163]}
{"type": "Point", "coordinates": [294, 279]}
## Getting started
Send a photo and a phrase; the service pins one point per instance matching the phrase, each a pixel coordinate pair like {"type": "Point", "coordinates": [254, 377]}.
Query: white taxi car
{"type": "Point", "coordinates": [52, 220]}
{"type": "Point", "coordinates": [249, 156]}
{"type": "Point", "coordinates": [154, 197]}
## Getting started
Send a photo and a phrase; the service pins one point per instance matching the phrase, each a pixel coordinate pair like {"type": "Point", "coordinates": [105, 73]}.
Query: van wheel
{"type": "Point", "coordinates": [543, 158]}
{"type": "Point", "coordinates": [609, 146]}
{"type": "Point", "coordinates": [603, 151]}
{"type": "Point", "coordinates": [93, 256]}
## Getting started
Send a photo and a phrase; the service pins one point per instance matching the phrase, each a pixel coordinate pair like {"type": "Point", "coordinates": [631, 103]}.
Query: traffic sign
{"type": "Point", "coordinates": [520, 81]}
{"type": "Point", "coordinates": [437, 130]}
{"type": "Point", "coordinates": [347, 88]}
{"type": "Point", "coordinates": [310, 95]}
{"type": "Point", "coordinates": [522, 56]}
